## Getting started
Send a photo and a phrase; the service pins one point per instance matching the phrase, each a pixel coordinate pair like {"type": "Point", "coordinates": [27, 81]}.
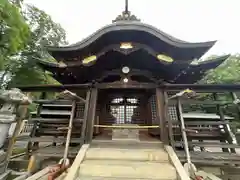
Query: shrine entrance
{"type": "Point", "coordinates": [125, 114]}
{"type": "Point", "coordinates": [124, 110]}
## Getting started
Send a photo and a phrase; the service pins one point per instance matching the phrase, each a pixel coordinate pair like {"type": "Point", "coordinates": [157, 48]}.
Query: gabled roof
{"type": "Point", "coordinates": [132, 31]}
{"type": "Point", "coordinates": [132, 26]}
{"type": "Point", "coordinates": [147, 42]}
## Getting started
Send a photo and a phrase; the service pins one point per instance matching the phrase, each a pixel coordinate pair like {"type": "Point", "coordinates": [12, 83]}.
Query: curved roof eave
{"type": "Point", "coordinates": [200, 68]}
{"type": "Point", "coordinates": [48, 64]}
{"type": "Point", "coordinates": [133, 25]}
{"type": "Point", "coordinates": [212, 62]}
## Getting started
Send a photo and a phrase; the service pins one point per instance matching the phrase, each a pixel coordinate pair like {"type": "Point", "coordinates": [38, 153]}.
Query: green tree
{"type": "Point", "coordinates": [226, 73]}
{"type": "Point", "coordinates": [14, 32]}
{"type": "Point", "coordinates": [44, 32]}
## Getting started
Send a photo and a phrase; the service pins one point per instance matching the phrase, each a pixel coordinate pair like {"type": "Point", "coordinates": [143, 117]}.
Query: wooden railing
{"type": "Point", "coordinates": [26, 127]}
{"type": "Point", "coordinates": [167, 87]}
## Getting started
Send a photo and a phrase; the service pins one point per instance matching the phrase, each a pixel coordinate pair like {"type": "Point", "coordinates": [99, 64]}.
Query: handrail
{"type": "Point", "coordinates": [76, 163]}
{"type": "Point", "coordinates": [190, 167]}
{"type": "Point", "coordinates": [183, 129]}
{"type": "Point", "coordinates": [68, 139]}
{"type": "Point", "coordinates": [182, 174]}
{"type": "Point", "coordinates": [40, 174]}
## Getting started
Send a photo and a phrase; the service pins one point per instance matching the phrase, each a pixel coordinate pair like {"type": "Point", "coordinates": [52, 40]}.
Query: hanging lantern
{"type": "Point", "coordinates": [89, 60]}
{"type": "Point", "coordinates": [165, 58]}
{"type": "Point", "coordinates": [126, 45]}
{"type": "Point", "coordinates": [125, 80]}
{"type": "Point", "coordinates": [125, 70]}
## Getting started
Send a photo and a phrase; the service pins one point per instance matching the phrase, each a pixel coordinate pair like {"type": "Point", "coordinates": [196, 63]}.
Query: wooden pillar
{"type": "Point", "coordinates": [160, 111]}
{"type": "Point", "coordinates": [235, 98]}
{"type": "Point", "coordinates": [84, 124]}
{"type": "Point", "coordinates": [168, 120]}
{"type": "Point", "coordinates": [149, 112]}
{"type": "Point", "coordinates": [222, 118]}
{"type": "Point", "coordinates": [125, 110]}
{"type": "Point", "coordinates": [91, 115]}
{"type": "Point", "coordinates": [34, 146]}
{"type": "Point", "coordinates": [103, 114]}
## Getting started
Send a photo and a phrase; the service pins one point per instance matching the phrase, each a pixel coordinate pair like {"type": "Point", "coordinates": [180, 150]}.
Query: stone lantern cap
{"type": "Point", "coordinates": [15, 96]}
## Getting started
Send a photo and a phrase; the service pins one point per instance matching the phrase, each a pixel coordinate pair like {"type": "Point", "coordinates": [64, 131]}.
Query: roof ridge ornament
{"type": "Point", "coordinates": [126, 15]}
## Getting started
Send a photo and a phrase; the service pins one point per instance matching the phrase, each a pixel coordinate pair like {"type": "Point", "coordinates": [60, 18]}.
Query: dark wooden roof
{"type": "Point", "coordinates": [136, 32]}
{"type": "Point", "coordinates": [140, 61]}
{"type": "Point", "coordinates": [148, 42]}
{"type": "Point", "coordinates": [195, 73]}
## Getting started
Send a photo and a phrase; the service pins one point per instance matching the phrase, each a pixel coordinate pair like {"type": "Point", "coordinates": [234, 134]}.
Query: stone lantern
{"type": "Point", "coordinates": [10, 101]}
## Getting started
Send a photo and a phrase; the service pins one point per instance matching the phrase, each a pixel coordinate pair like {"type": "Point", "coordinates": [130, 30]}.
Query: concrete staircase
{"type": "Point", "coordinates": [118, 160]}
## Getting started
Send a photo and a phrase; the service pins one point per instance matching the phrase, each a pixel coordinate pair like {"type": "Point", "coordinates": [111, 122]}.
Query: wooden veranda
{"type": "Point", "coordinates": [151, 107]}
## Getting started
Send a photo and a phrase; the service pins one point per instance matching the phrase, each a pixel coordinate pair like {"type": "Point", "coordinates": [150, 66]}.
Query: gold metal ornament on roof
{"type": "Point", "coordinates": [165, 58]}
{"type": "Point", "coordinates": [126, 45]}
{"type": "Point", "coordinates": [89, 60]}
{"type": "Point", "coordinates": [62, 64]}
{"type": "Point", "coordinates": [194, 62]}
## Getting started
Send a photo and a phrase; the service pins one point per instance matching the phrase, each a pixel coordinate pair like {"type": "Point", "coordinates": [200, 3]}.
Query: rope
{"type": "Point", "coordinates": [126, 127]}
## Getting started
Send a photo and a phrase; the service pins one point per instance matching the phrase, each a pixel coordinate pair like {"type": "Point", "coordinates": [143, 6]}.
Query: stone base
{"type": "Point", "coordinates": [125, 134]}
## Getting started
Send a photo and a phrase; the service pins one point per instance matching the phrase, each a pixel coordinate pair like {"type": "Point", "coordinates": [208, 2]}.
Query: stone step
{"type": "Point", "coordinates": [108, 178]}
{"type": "Point", "coordinates": [140, 154]}
{"type": "Point", "coordinates": [127, 169]}
{"type": "Point", "coordinates": [126, 144]}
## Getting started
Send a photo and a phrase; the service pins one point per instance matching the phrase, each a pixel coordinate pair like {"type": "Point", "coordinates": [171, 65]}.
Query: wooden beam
{"type": "Point", "coordinates": [121, 85]}
{"type": "Point", "coordinates": [70, 95]}
{"type": "Point", "coordinates": [40, 174]}
{"type": "Point", "coordinates": [91, 114]}
{"type": "Point", "coordinates": [125, 110]}
{"type": "Point", "coordinates": [133, 72]}
{"type": "Point", "coordinates": [167, 87]}
{"type": "Point", "coordinates": [226, 129]}
{"type": "Point", "coordinates": [76, 163]}
{"type": "Point", "coordinates": [201, 87]}
{"type": "Point", "coordinates": [199, 102]}
{"type": "Point", "coordinates": [69, 132]}
{"type": "Point", "coordinates": [124, 103]}
{"type": "Point", "coordinates": [169, 121]}
{"type": "Point", "coordinates": [53, 87]}
{"type": "Point", "coordinates": [183, 130]}
{"type": "Point", "coordinates": [86, 108]}
{"type": "Point", "coordinates": [235, 98]}
{"type": "Point", "coordinates": [148, 112]}
{"type": "Point", "coordinates": [161, 115]}
{"type": "Point", "coordinates": [182, 174]}
{"type": "Point", "coordinates": [15, 133]}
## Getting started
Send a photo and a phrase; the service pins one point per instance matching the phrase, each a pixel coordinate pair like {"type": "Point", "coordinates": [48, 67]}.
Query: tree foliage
{"type": "Point", "coordinates": [226, 73]}
{"type": "Point", "coordinates": [14, 32]}
{"type": "Point", "coordinates": [43, 32]}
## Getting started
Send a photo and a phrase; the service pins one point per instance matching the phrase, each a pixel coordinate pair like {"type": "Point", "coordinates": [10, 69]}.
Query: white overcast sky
{"type": "Point", "coordinates": [189, 20]}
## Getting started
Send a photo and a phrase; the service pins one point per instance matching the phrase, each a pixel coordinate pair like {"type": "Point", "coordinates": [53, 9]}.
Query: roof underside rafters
{"type": "Point", "coordinates": [140, 60]}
